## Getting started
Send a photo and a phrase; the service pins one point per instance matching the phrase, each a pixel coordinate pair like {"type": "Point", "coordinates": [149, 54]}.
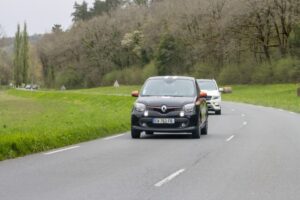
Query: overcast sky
{"type": "Point", "coordinates": [40, 15]}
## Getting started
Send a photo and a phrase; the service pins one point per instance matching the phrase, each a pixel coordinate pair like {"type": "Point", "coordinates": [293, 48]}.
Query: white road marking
{"type": "Point", "coordinates": [232, 110]}
{"type": "Point", "coordinates": [230, 138]}
{"type": "Point", "coordinates": [280, 110]}
{"type": "Point", "coordinates": [243, 115]}
{"type": "Point", "coordinates": [169, 178]}
{"type": "Point", "coordinates": [61, 150]}
{"type": "Point", "coordinates": [245, 123]}
{"type": "Point", "coordinates": [113, 137]}
{"type": "Point", "coordinates": [293, 113]}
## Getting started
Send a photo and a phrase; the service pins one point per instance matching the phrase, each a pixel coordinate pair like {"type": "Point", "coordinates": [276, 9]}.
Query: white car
{"type": "Point", "coordinates": [213, 98]}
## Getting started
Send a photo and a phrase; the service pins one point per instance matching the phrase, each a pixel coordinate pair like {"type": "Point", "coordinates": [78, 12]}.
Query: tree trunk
{"type": "Point", "coordinates": [298, 92]}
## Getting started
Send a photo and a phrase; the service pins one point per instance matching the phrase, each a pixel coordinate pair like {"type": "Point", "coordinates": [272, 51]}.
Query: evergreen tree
{"type": "Point", "coordinates": [17, 57]}
{"type": "Point", "coordinates": [99, 8]}
{"type": "Point", "coordinates": [25, 54]}
{"type": "Point", "coordinates": [141, 2]}
{"type": "Point", "coordinates": [81, 12]}
{"type": "Point", "coordinates": [168, 57]}
{"type": "Point", "coordinates": [112, 4]}
{"type": "Point", "coordinates": [21, 56]}
{"type": "Point", "coordinates": [57, 28]}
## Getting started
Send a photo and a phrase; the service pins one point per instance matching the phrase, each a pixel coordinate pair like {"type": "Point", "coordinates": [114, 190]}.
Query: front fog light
{"type": "Point", "coordinates": [146, 113]}
{"type": "Point", "coordinates": [181, 114]}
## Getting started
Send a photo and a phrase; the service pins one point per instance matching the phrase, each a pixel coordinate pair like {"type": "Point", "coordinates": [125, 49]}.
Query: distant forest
{"type": "Point", "coordinates": [233, 41]}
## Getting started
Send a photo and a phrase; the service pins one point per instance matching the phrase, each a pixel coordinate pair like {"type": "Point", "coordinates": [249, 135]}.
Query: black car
{"type": "Point", "coordinates": [170, 104]}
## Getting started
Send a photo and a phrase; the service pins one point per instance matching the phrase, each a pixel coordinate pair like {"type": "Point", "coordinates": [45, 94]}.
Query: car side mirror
{"type": "Point", "coordinates": [135, 93]}
{"type": "Point", "coordinates": [221, 90]}
{"type": "Point", "coordinates": [203, 94]}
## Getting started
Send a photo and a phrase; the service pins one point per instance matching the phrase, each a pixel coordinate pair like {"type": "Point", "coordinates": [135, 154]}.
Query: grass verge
{"type": "Point", "coordinates": [280, 95]}
{"type": "Point", "coordinates": [37, 121]}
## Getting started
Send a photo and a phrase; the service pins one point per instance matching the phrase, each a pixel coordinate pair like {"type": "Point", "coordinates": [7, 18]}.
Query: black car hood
{"type": "Point", "coordinates": [168, 101]}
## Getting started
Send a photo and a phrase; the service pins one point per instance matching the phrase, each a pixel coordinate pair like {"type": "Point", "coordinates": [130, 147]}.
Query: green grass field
{"type": "Point", "coordinates": [280, 96]}
{"type": "Point", "coordinates": [38, 121]}
{"type": "Point", "coordinates": [33, 121]}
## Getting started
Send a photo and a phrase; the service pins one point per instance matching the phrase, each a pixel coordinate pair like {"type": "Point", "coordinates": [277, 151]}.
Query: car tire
{"type": "Point", "coordinates": [204, 129]}
{"type": "Point", "coordinates": [135, 134]}
{"type": "Point", "coordinates": [196, 133]}
{"type": "Point", "coordinates": [218, 112]}
{"type": "Point", "coordinates": [149, 132]}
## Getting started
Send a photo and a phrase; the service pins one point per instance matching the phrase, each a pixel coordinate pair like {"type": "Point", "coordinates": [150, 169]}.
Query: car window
{"type": "Point", "coordinates": [207, 85]}
{"type": "Point", "coordinates": [169, 87]}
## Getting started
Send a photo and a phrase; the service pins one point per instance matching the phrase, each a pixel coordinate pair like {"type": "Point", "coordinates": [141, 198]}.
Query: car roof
{"type": "Point", "coordinates": [174, 77]}
{"type": "Point", "coordinates": [206, 80]}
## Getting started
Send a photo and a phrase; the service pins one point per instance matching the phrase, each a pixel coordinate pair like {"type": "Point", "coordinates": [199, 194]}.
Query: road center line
{"type": "Point", "coordinates": [169, 178]}
{"type": "Point", "coordinates": [243, 115]}
{"type": "Point", "coordinates": [113, 137]}
{"type": "Point", "coordinates": [245, 123]}
{"type": "Point", "coordinates": [61, 150]}
{"type": "Point", "coordinates": [230, 138]}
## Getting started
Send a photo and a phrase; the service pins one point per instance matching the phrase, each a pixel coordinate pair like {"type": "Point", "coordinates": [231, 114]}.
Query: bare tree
{"type": "Point", "coordinates": [284, 15]}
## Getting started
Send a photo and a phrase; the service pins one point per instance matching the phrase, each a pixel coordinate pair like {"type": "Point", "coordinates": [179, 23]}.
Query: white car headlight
{"type": "Point", "coordinates": [188, 108]}
{"type": "Point", "coordinates": [139, 107]}
{"type": "Point", "coordinates": [216, 98]}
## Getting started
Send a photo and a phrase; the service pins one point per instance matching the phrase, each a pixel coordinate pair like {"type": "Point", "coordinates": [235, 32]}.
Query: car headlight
{"type": "Point", "coordinates": [139, 107]}
{"type": "Point", "coordinates": [188, 108]}
{"type": "Point", "coordinates": [216, 98]}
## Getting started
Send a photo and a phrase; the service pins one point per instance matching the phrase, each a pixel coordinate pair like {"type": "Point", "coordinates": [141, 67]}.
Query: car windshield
{"type": "Point", "coordinates": [207, 85]}
{"type": "Point", "coordinates": [169, 87]}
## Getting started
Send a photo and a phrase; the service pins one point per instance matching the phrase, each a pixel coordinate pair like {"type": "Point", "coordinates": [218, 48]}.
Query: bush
{"type": "Point", "coordinates": [262, 74]}
{"type": "Point", "coordinates": [129, 76]}
{"type": "Point", "coordinates": [282, 69]}
{"type": "Point", "coordinates": [230, 75]}
{"type": "Point", "coordinates": [286, 70]}
{"type": "Point", "coordinates": [111, 77]}
{"type": "Point", "coordinates": [202, 70]}
{"type": "Point", "coordinates": [290, 68]}
{"type": "Point", "coordinates": [294, 73]}
{"type": "Point", "coordinates": [69, 78]}
{"type": "Point", "coordinates": [149, 70]}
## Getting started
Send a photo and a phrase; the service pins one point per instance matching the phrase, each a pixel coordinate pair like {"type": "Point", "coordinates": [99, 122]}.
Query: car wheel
{"type": "Point", "coordinates": [196, 133]}
{"type": "Point", "coordinates": [135, 134]}
{"type": "Point", "coordinates": [149, 132]}
{"type": "Point", "coordinates": [218, 112]}
{"type": "Point", "coordinates": [204, 129]}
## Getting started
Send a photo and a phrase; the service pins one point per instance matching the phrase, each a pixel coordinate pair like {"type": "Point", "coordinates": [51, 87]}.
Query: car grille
{"type": "Point", "coordinates": [169, 109]}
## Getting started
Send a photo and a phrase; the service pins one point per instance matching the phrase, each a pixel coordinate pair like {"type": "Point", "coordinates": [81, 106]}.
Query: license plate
{"type": "Point", "coordinates": [163, 121]}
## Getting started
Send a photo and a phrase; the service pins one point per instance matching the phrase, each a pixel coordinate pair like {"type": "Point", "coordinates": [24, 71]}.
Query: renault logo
{"type": "Point", "coordinates": [164, 108]}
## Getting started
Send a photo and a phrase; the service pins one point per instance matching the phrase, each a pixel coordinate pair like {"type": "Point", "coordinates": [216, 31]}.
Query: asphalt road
{"type": "Point", "coordinates": [250, 152]}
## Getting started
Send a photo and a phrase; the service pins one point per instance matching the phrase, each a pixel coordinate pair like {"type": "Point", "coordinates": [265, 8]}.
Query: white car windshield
{"type": "Point", "coordinates": [207, 85]}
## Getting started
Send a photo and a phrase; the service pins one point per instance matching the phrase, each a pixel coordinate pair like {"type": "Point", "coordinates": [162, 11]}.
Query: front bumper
{"type": "Point", "coordinates": [213, 105]}
{"type": "Point", "coordinates": [188, 123]}
{"type": "Point", "coordinates": [171, 130]}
